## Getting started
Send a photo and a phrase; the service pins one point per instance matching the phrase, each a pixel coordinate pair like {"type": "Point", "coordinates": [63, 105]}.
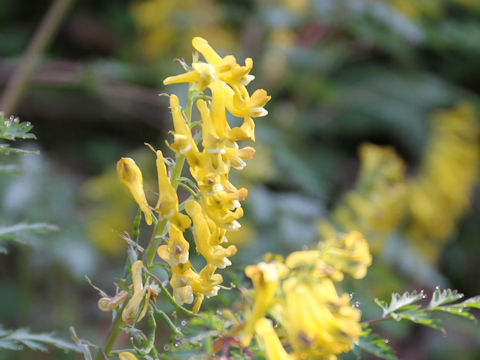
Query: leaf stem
{"type": "Point", "coordinates": [169, 296]}
{"type": "Point", "coordinates": [115, 330]}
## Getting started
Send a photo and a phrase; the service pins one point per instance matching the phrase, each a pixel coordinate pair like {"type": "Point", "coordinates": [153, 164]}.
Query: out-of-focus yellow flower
{"type": "Point", "coordinates": [265, 278]}
{"type": "Point", "coordinates": [273, 347]}
{"type": "Point", "coordinates": [335, 257]}
{"type": "Point", "coordinates": [127, 356]}
{"type": "Point", "coordinates": [440, 192]}
{"type": "Point", "coordinates": [140, 293]}
{"type": "Point", "coordinates": [320, 324]}
{"type": "Point", "coordinates": [348, 255]}
{"type": "Point", "coordinates": [131, 177]}
{"type": "Point", "coordinates": [377, 204]}
{"type": "Point", "coordinates": [415, 8]}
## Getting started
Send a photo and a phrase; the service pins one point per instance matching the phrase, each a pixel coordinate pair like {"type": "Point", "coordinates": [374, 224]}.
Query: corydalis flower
{"type": "Point", "coordinates": [131, 177]}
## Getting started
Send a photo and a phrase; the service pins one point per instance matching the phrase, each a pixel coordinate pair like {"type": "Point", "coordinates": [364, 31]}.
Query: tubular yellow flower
{"type": "Point", "coordinates": [439, 194]}
{"type": "Point", "coordinates": [348, 255]}
{"type": "Point", "coordinates": [183, 141]}
{"type": "Point", "coordinates": [205, 243]}
{"type": "Point", "coordinates": [127, 356]}
{"type": "Point", "coordinates": [110, 303]}
{"type": "Point", "coordinates": [273, 346]}
{"type": "Point", "coordinates": [218, 208]}
{"type": "Point", "coordinates": [177, 249]}
{"type": "Point", "coordinates": [139, 294]}
{"type": "Point", "coordinates": [131, 177]}
{"type": "Point", "coordinates": [320, 324]}
{"type": "Point", "coordinates": [167, 204]}
{"type": "Point", "coordinates": [377, 204]}
{"type": "Point", "coordinates": [265, 278]}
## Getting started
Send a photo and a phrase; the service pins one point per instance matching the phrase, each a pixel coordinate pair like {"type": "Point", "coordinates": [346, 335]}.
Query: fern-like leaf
{"type": "Point", "coordinates": [22, 338]}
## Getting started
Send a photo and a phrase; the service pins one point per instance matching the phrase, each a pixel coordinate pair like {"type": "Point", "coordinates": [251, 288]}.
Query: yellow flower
{"type": "Point", "coordinates": [319, 324]}
{"type": "Point", "coordinates": [377, 204]}
{"type": "Point", "coordinates": [139, 294]}
{"type": "Point", "coordinates": [183, 141]}
{"type": "Point", "coordinates": [177, 249]}
{"type": "Point", "coordinates": [348, 255]}
{"type": "Point", "coordinates": [206, 243]}
{"type": "Point", "coordinates": [127, 356]}
{"type": "Point", "coordinates": [265, 278]}
{"type": "Point", "coordinates": [273, 347]}
{"type": "Point", "coordinates": [131, 177]}
{"type": "Point", "coordinates": [335, 257]}
{"type": "Point", "coordinates": [441, 191]}
{"type": "Point", "coordinates": [167, 204]}
{"type": "Point", "coordinates": [110, 303]}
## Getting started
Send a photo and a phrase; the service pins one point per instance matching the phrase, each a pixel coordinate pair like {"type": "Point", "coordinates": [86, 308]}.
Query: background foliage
{"type": "Point", "coordinates": [340, 72]}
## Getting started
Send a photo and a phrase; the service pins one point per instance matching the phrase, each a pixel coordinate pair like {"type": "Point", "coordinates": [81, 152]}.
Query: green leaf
{"type": "Point", "coordinates": [400, 302]}
{"type": "Point", "coordinates": [418, 316]}
{"type": "Point", "coordinates": [16, 233]}
{"type": "Point", "coordinates": [373, 344]}
{"type": "Point", "coordinates": [441, 297]}
{"type": "Point", "coordinates": [22, 227]}
{"type": "Point", "coordinates": [20, 338]}
{"type": "Point", "coordinates": [12, 128]}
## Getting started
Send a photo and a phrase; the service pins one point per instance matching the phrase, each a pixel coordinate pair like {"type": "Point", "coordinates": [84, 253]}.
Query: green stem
{"type": "Point", "coordinates": [115, 330]}
{"type": "Point", "coordinates": [169, 321]}
{"type": "Point", "coordinates": [169, 296]}
{"type": "Point", "coordinates": [17, 84]}
{"type": "Point", "coordinates": [150, 251]}
{"type": "Point", "coordinates": [374, 321]}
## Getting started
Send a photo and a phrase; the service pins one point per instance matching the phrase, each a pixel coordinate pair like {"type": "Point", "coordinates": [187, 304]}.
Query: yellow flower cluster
{"type": "Point", "coordinates": [299, 293]}
{"type": "Point", "coordinates": [216, 207]}
{"type": "Point", "coordinates": [163, 27]}
{"type": "Point", "coordinates": [377, 205]}
{"type": "Point", "coordinates": [440, 192]}
{"type": "Point", "coordinates": [432, 8]}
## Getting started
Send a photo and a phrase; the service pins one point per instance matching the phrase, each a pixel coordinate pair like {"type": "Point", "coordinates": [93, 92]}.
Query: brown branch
{"type": "Point", "coordinates": [42, 37]}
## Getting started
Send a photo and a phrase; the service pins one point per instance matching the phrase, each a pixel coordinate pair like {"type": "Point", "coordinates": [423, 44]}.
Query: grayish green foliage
{"type": "Point", "coordinates": [22, 338]}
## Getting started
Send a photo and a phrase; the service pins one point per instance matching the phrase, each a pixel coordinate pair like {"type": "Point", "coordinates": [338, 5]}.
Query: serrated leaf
{"type": "Point", "coordinates": [473, 302]}
{"type": "Point", "coordinates": [400, 302]}
{"type": "Point", "coordinates": [373, 344]}
{"type": "Point", "coordinates": [20, 338]}
{"type": "Point", "coordinates": [455, 310]}
{"type": "Point", "coordinates": [12, 128]}
{"type": "Point", "coordinates": [6, 149]}
{"type": "Point", "coordinates": [418, 316]}
{"type": "Point", "coordinates": [5, 231]}
{"type": "Point", "coordinates": [441, 297]}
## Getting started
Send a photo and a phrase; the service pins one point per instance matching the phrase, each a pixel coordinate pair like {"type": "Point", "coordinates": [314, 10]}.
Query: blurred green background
{"type": "Point", "coordinates": [340, 73]}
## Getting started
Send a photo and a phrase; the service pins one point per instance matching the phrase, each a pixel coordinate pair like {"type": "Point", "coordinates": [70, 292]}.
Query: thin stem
{"type": "Point", "coordinates": [167, 319]}
{"type": "Point", "coordinates": [169, 296]}
{"type": "Point", "coordinates": [115, 330]}
{"type": "Point", "coordinates": [374, 321]}
{"type": "Point", "coordinates": [150, 251]}
{"type": "Point", "coordinates": [17, 84]}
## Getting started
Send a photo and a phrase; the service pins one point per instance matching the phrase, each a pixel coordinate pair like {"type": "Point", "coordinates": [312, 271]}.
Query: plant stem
{"type": "Point", "coordinates": [17, 84]}
{"type": "Point", "coordinates": [169, 296]}
{"type": "Point", "coordinates": [374, 321]}
{"type": "Point", "coordinates": [168, 321]}
{"type": "Point", "coordinates": [115, 330]}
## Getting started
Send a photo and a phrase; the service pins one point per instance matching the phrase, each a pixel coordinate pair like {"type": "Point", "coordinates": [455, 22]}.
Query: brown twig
{"type": "Point", "coordinates": [43, 36]}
